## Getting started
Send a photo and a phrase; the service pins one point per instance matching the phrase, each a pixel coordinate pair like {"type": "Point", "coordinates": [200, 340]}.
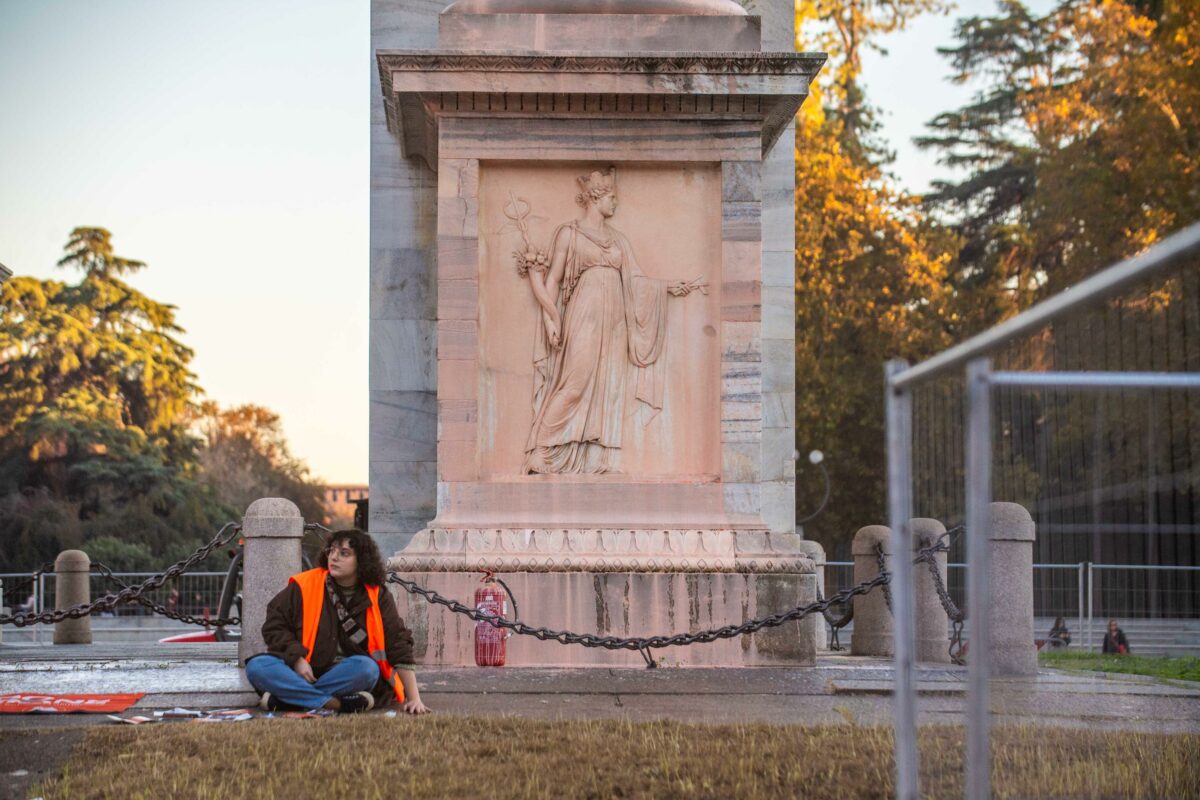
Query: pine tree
{"type": "Point", "coordinates": [1081, 148]}
{"type": "Point", "coordinates": [95, 391]}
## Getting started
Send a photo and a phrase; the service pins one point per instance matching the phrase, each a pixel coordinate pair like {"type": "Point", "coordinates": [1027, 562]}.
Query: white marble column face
{"type": "Point", "coordinates": [778, 478]}
{"type": "Point", "coordinates": [403, 305]}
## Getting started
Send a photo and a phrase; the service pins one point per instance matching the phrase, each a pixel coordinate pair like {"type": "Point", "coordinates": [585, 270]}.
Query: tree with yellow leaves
{"type": "Point", "coordinates": [871, 272]}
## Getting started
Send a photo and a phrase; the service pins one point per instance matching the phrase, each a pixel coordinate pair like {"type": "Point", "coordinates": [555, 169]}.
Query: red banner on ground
{"type": "Point", "coordinates": [66, 703]}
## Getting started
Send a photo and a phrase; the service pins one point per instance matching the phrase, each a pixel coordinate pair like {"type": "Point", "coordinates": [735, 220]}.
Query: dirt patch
{"type": "Point", "coordinates": [31, 757]}
{"type": "Point", "coordinates": [451, 757]}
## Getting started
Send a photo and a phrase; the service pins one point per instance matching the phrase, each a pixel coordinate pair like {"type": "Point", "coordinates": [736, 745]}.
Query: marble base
{"type": "Point", "coordinates": [613, 582]}
{"type": "Point", "coordinates": [619, 604]}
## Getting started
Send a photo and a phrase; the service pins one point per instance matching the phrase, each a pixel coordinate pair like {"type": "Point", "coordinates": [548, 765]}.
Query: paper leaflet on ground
{"type": "Point", "coordinates": [131, 720]}
{"type": "Point", "coordinates": [30, 703]}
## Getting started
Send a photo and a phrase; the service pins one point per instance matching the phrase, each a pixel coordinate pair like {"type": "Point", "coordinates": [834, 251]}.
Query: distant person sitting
{"type": "Point", "coordinates": [1115, 641]}
{"type": "Point", "coordinates": [334, 638]}
{"type": "Point", "coordinates": [1059, 635]}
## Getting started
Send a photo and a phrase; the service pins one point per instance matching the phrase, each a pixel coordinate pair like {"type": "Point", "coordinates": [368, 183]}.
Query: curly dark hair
{"type": "Point", "coordinates": [370, 561]}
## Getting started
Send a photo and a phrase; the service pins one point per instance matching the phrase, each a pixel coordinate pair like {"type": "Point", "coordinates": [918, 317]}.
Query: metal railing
{"type": "Point", "coordinates": [1085, 594]}
{"type": "Point", "coordinates": [195, 593]}
{"type": "Point", "coordinates": [972, 360]}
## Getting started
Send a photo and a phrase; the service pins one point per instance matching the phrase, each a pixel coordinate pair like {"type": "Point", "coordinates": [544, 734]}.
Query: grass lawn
{"type": "Point", "coordinates": [451, 757]}
{"type": "Point", "coordinates": [1184, 668]}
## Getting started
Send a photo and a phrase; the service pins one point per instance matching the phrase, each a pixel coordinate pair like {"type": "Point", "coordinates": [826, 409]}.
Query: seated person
{"type": "Point", "coordinates": [334, 637]}
{"type": "Point", "coordinates": [1114, 640]}
{"type": "Point", "coordinates": [1059, 635]}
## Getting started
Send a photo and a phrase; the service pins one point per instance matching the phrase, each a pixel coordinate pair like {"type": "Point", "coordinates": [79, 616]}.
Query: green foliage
{"type": "Point", "coordinates": [1081, 148]}
{"type": "Point", "coordinates": [96, 400]}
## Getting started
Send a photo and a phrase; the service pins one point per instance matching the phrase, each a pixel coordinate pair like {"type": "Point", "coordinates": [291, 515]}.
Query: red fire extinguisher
{"type": "Point", "coordinates": [490, 640]}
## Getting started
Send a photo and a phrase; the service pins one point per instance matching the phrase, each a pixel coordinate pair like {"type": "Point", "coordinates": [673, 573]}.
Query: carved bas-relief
{"type": "Point", "coordinates": [599, 354]}
{"type": "Point", "coordinates": [600, 317]}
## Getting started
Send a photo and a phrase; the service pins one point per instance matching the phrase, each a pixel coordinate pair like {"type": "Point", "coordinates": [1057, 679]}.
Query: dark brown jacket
{"type": "Point", "coordinates": [281, 631]}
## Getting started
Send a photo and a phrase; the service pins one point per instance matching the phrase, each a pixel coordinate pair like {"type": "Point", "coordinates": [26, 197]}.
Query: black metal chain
{"type": "Point", "coordinates": [129, 594]}
{"type": "Point", "coordinates": [926, 555]}
{"type": "Point", "coordinates": [642, 644]}
{"type": "Point", "coordinates": [881, 562]}
{"type": "Point", "coordinates": [953, 612]}
{"type": "Point", "coordinates": [162, 610]}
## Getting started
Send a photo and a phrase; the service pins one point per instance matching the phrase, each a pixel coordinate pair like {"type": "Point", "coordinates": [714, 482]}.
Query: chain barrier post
{"type": "Point", "coordinates": [272, 529]}
{"type": "Point", "coordinates": [979, 496]}
{"type": "Point", "coordinates": [72, 587]}
{"type": "Point", "coordinates": [933, 639]}
{"type": "Point", "coordinates": [816, 625]}
{"type": "Point", "coordinates": [872, 612]}
{"type": "Point", "coordinates": [1012, 532]}
{"type": "Point", "coordinates": [898, 408]}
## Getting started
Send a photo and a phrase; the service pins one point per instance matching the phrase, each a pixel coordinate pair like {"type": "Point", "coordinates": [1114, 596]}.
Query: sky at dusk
{"type": "Point", "coordinates": [226, 145]}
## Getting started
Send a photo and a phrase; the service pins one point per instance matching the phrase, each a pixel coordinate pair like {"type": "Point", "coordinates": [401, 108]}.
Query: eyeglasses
{"type": "Point", "coordinates": [345, 552]}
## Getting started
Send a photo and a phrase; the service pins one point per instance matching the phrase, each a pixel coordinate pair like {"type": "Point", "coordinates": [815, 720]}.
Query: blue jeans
{"type": "Point", "coordinates": [268, 673]}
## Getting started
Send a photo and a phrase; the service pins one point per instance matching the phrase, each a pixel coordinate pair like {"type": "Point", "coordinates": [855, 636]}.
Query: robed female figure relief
{"type": "Point", "coordinates": [601, 317]}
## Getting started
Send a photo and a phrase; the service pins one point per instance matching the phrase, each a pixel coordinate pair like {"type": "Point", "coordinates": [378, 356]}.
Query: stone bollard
{"type": "Point", "coordinates": [1011, 535]}
{"type": "Point", "coordinates": [933, 638]}
{"type": "Point", "coordinates": [272, 529]}
{"type": "Point", "coordinates": [872, 618]}
{"type": "Point", "coordinates": [72, 586]}
{"type": "Point", "coordinates": [816, 626]}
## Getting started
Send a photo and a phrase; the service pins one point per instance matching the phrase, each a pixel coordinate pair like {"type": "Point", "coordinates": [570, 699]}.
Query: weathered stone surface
{"type": "Point", "coordinates": [618, 604]}
{"type": "Point", "coordinates": [404, 426]}
{"type": "Point", "coordinates": [815, 623]}
{"type": "Point", "coordinates": [401, 354]}
{"type": "Point", "coordinates": [872, 618]}
{"type": "Point", "coordinates": [402, 284]}
{"type": "Point", "coordinates": [403, 290]}
{"type": "Point", "coordinates": [272, 529]}
{"type": "Point", "coordinates": [1011, 533]}
{"type": "Point", "coordinates": [933, 643]}
{"type": "Point", "coordinates": [72, 586]}
{"type": "Point", "coordinates": [601, 550]}
{"type": "Point", "coordinates": [564, 33]}
{"type": "Point", "coordinates": [726, 8]}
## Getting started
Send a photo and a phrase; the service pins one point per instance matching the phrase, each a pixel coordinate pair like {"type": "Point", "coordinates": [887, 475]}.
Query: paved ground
{"type": "Point", "coordinates": [839, 690]}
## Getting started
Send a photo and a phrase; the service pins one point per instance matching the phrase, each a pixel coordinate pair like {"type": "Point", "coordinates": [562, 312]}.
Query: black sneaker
{"type": "Point", "coordinates": [269, 702]}
{"type": "Point", "coordinates": [356, 703]}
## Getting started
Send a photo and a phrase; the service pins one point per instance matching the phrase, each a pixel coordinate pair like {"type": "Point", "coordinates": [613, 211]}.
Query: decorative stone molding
{"type": "Point", "coordinates": [805, 64]}
{"type": "Point", "coordinates": [421, 86]}
{"type": "Point", "coordinates": [602, 550]}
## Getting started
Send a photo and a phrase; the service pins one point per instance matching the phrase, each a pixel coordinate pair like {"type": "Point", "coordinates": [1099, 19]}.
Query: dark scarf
{"type": "Point", "coordinates": [350, 627]}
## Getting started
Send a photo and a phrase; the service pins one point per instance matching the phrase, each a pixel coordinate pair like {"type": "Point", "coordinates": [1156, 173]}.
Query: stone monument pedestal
{"type": "Point", "coordinates": [609, 439]}
{"type": "Point", "coordinates": [624, 583]}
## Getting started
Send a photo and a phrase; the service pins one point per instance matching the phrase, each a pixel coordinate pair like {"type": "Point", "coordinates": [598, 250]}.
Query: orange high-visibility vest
{"type": "Point", "coordinates": [312, 597]}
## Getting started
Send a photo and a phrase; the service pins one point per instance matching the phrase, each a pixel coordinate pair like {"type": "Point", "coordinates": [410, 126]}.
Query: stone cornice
{"type": "Point", "coordinates": [805, 64]}
{"type": "Point", "coordinates": [414, 82]}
